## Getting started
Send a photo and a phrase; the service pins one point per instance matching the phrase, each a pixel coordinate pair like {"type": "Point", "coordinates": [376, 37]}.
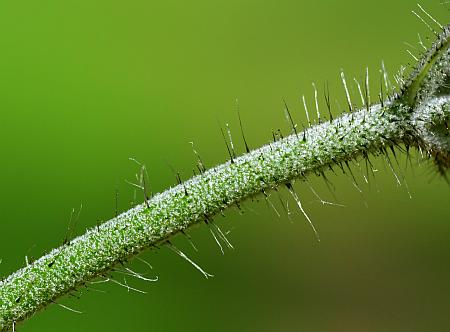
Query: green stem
{"type": "Point", "coordinates": [351, 136]}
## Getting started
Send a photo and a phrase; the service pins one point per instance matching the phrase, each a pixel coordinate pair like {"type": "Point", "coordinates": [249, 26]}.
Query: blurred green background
{"type": "Point", "coordinates": [84, 85]}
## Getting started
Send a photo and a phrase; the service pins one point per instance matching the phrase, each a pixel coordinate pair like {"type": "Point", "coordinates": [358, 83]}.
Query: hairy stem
{"type": "Point", "coordinates": [315, 150]}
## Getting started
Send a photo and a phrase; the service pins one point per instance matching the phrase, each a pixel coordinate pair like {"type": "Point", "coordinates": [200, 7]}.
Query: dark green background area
{"type": "Point", "coordinates": [84, 85]}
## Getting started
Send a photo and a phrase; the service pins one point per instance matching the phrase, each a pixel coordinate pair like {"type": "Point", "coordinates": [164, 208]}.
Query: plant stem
{"type": "Point", "coordinates": [315, 150]}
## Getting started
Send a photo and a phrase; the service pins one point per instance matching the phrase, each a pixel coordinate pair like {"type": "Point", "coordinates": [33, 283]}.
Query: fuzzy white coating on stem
{"type": "Point", "coordinates": [417, 117]}
{"type": "Point", "coordinates": [99, 249]}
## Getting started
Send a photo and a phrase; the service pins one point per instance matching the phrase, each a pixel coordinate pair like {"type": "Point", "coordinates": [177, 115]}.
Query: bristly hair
{"type": "Point", "coordinates": [418, 116]}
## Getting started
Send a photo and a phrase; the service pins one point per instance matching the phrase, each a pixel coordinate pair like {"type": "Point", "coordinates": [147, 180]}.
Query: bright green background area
{"type": "Point", "coordinates": [84, 85]}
